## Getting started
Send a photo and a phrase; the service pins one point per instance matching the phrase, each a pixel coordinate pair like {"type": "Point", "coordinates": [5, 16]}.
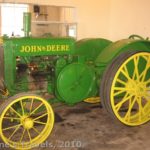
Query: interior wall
{"type": "Point", "coordinates": [92, 17]}
{"type": "Point", "coordinates": [112, 19]}
{"type": "Point", "coordinates": [129, 17]}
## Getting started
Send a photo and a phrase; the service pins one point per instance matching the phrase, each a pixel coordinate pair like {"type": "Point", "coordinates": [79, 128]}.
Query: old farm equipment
{"type": "Point", "coordinates": [72, 71]}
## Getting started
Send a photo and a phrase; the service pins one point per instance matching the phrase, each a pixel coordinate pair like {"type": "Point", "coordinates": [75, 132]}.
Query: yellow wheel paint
{"type": "Point", "coordinates": [1, 40]}
{"type": "Point", "coordinates": [26, 128]}
{"type": "Point", "coordinates": [92, 100]}
{"type": "Point", "coordinates": [28, 123]}
{"type": "Point", "coordinates": [130, 90]}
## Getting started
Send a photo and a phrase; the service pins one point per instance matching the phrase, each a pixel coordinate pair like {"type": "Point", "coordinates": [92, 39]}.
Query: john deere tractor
{"type": "Point", "coordinates": [70, 72]}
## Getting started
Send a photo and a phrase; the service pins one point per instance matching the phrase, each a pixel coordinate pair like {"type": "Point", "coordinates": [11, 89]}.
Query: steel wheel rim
{"type": "Point", "coordinates": [27, 124]}
{"type": "Point", "coordinates": [134, 90]}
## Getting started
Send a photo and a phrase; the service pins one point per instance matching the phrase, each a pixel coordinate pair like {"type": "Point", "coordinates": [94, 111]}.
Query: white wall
{"type": "Point", "coordinates": [129, 17]}
{"type": "Point", "coordinates": [112, 19]}
{"type": "Point", "coordinates": [93, 18]}
{"type": "Point", "coordinates": [92, 15]}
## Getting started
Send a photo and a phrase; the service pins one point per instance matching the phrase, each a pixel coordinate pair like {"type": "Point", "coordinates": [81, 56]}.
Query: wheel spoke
{"type": "Point", "coordinates": [126, 98]}
{"type": "Point", "coordinates": [39, 122]}
{"type": "Point", "coordinates": [40, 116]}
{"type": "Point", "coordinates": [29, 136]}
{"type": "Point", "coordinates": [15, 111]}
{"type": "Point", "coordinates": [125, 74]}
{"type": "Point", "coordinates": [11, 118]}
{"type": "Point", "coordinates": [17, 128]}
{"type": "Point", "coordinates": [131, 104]}
{"type": "Point", "coordinates": [35, 130]}
{"type": "Point", "coordinates": [143, 74]}
{"type": "Point", "coordinates": [126, 70]}
{"type": "Point", "coordinates": [31, 105]}
{"type": "Point", "coordinates": [147, 105]}
{"type": "Point", "coordinates": [121, 81]}
{"type": "Point", "coordinates": [11, 127]}
{"type": "Point", "coordinates": [136, 72]}
{"type": "Point", "coordinates": [141, 111]}
{"type": "Point", "coordinates": [145, 57]}
{"type": "Point", "coordinates": [22, 108]}
{"type": "Point", "coordinates": [120, 88]}
{"type": "Point", "coordinates": [36, 109]}
{"type": "Point", "coordinates": [22, 135]}
{"type": "Point", "coordinates": [146, 110]}
{"type": "Point", "coordinates": [148, 81]}
{"type": "Point", "coordinates": [119, 92]}
{"type": "Point", "coordinates": [147, 98]}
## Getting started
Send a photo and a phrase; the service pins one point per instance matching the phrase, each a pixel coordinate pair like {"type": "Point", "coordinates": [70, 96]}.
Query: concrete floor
{"type": "Point", "coordinates": [89, 127]}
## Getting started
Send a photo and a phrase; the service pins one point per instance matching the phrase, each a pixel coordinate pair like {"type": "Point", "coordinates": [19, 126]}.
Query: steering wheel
{"type": "Point", "coordinates": [133, 36]}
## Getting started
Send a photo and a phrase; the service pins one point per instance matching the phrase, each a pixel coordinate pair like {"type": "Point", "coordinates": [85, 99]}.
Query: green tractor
{"type": "Point", "coordinates": [72, 71]}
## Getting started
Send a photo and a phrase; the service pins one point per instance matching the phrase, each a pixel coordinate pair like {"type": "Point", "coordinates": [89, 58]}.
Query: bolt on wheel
{"type": "Point", "coordinates": [26, 121]}
{"type": "Point", "coordinates": [126, 93]}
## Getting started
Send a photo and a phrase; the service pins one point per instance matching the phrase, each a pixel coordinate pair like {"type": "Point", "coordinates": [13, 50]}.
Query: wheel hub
{"type": "Point", "coordinates": [141, 90]}
{"type": "Point", "coordinates": [136, 88]}
{"type": "Point", "coordinates": [27, 122]}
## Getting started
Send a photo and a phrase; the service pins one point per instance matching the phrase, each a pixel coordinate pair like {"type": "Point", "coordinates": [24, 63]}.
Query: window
{"type": "Point", "coordinates": [12, 19]}
{"type": "Point", "coordinates": [54, 21]}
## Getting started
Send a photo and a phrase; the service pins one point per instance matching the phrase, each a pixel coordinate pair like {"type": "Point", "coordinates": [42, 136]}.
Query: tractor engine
{"type": "Point", "coordinates": [57, 66]}
{"type": "Point", "coordinates": [34, 63]}
{"type": "Point", "coordinates": [38, 70]}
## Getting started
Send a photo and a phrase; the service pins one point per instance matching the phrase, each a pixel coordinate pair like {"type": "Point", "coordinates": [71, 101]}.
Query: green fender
{"type": "Point", "coordinates": [109, 53]}
{"type": "Point", "coordinates": [115, 49]}
{"type": "Point", "coordinates": [90, 48]}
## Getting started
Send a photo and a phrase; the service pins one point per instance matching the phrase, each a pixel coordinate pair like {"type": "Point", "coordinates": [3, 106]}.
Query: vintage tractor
{"type": "Point", "coordinates": [71, 71]}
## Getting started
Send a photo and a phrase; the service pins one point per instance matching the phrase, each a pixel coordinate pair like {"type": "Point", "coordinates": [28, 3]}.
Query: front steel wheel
{"type": "Point", "coordinates": [126, 88]}
{"type": "Point", "coordinates": [26, 121]}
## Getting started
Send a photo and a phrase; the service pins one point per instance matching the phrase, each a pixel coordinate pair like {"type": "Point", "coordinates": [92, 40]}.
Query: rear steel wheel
{"type": "Point", "coordinates": [126, 91]}
{"type": "Point", "coordinates": [26, 121]}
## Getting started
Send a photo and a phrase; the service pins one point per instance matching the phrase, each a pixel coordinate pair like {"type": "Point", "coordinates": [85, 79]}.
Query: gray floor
{"type": "Point", "coordinates": [89, 127]}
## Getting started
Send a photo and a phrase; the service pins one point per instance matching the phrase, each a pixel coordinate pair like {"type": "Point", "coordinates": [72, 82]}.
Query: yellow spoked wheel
{"type": "Point", "coordinates": [26, 121]}
{"type": "Point", "coordinates": [126, 88]}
